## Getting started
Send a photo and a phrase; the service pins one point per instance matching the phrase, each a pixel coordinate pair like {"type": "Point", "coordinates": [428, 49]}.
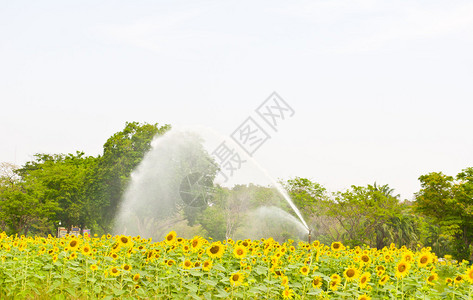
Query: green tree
{"type": "Point", "coordinates": [121, 154]}
{"type": "Point", "coordinates": [449, 203]}
{"type": "Point", "coordinates": [305, 194]}
{"type": "Point", "coordinates": [360, 212]}
{"type": "Point", "coordinates": [63, 180]}
{"type": "Point", "coordinates": [23, 203]}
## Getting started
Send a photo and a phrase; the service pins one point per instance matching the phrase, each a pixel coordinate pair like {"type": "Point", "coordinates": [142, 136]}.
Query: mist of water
{"type": "Point", "coordinates": [152, 203]}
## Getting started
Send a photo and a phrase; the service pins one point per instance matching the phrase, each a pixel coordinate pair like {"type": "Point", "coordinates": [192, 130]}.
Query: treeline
{"type": "Point", "coordinates": [74, 189]}
{"type": "Point", "coordinates": [56, 190]}
{"type": "Point", "coordinates": [441, 216]}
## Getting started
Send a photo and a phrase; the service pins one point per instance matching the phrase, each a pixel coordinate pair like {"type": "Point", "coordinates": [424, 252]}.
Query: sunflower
{"type": "Point", "coordinates": [365, 259]}
{"type": "Point", "coordinates": [364, 297]}
{"type": "Point", "coordinates": [239, 252]}
{"type": "Point", "coordinates": [278, 273]}
{"type": "Point", "coordinates": [334, 285]}
{"type": "Point", "coordinates": [94, 267]}
{"type": "Point", "coordinates": [216, 250]}
{"type": "Point", "coordinates": [187, 264]}
{"type": "Point", "coordinates": [383, 280]}
{"type": "Point", "coordinates": [114, 271]}
{"type": "Point", "coordinates": [336, 277]}
{"type": "Point", "coordinates": [432, 278]}
{"type": "Point", "coordinates": [317, 282]}
{"type": "Point", "coordinates": [408, 256]}
{"type": "Point", "coordinates": [469, 275]}
{"type": "Point", "coordinates": [236, 279]}
{"type": "Point", "coordinates": [424, 259]}
{"type": "Point", "coordinates": [458, 279]}
{"type": "Point", "coordinates": [304, 270]}
{"type": "Point", "coordinates": [196, 243]}
{"type": "Point", "coordinates": [336, 246]}
{"type": "Point", "coordinates": [116, 247]}
{"type": "Point", "coordinates": [284, 280]}
{"type": "Point", "coordinates": [380, 269]}
{"type": "Point", "coordinates": [136, 277]}
{"type": "Point", "coordinates": [207, 265]}
{"type": "Point", "coordinates": [364, 280]}
{"type": "Point", "coordinates": [170, 262]}
{"type": "Point", "coordinates": [73, 255]}
{"type": "Point", "coordinates": [170, 238]}
{"type": "Point", "coordinates": [287, 293]}
{"type": "Point", "coordinates": [86, 250]}
{"type": "Point", "coordinates": [126, 267]}
{"type": "Point", "coordinates": [351, 273]}
{"type": "Point", "coordinates": [402, 269]}
{"type": "Point", "coordinates": [73, 244]}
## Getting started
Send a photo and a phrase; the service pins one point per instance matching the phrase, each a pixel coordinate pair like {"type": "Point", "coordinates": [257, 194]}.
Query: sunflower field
{"type": "Point", "coordinates": [123, 267]}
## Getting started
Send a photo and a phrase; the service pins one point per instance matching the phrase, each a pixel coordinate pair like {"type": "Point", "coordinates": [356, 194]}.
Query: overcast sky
{"type": "Point", "coordinates": [382, 90]}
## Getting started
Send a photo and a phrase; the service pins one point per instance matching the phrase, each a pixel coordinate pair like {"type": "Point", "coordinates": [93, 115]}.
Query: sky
{"type": "Point", "coordinates": [382, 90]}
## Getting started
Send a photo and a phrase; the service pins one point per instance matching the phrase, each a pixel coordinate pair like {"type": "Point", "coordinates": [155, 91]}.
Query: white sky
{"type": "Point", "coordinates": [382, 90]}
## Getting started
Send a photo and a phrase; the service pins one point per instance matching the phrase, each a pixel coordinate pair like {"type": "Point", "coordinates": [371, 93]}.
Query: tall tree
{"type": "Point", "coordinates": [63, 180]}
{"type": "Point", "coordinates": [361, 212]}
{"type": "Point", "coordinates": [305, 194]}
{"type": "Point", "coordinates": [450, 203]}
{"type": "Point", "coordinates": [121, 154]}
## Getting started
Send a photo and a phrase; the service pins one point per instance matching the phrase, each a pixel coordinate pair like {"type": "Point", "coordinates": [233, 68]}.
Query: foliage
{"type": "Point", "coordinates": [449, 203]}
{"type": "Point", "coordinates": [121, 154]}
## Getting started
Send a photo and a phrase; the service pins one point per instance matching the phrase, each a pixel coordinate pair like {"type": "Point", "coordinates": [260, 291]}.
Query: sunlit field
{"type": "Point", "coordinates": [126, 267]}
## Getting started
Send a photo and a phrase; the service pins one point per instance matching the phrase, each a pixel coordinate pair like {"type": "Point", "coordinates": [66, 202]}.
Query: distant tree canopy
{"type": "Point", "coordinates": [55, 190]}
{"type": "Point", "coordinates": [448, 201]}
{"type": "Point", "coordinates": [72, 189]}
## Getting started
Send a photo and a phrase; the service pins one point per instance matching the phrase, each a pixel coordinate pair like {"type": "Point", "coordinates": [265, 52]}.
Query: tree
{"type": "Point", "coordinates": [305, 194]}
{"type": "Point", "coordinates": [63, 180]}
{"type": "Point", "coordinates": [361, 212]}
{"type": "Point", "coordinates": [22, 202]}
{"type": "Point", "coordinates": [449, 203]}
{"type": "Point", "coordinates": [121, 154]}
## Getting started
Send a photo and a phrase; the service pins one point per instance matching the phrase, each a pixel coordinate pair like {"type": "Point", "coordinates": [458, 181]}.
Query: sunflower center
{"type": "Point", "coordinates": [402, 268]}
{"type": "Point", "coordinates": [73, 243]}
{"type": "Point", "coordinates": [235, 277]}
{"type": "Point", "coordinates": [351, 273]}
{"type": "Point", "coordinates": [423, 260]}
{"type": "Point", "coordinates": [214, 249]}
